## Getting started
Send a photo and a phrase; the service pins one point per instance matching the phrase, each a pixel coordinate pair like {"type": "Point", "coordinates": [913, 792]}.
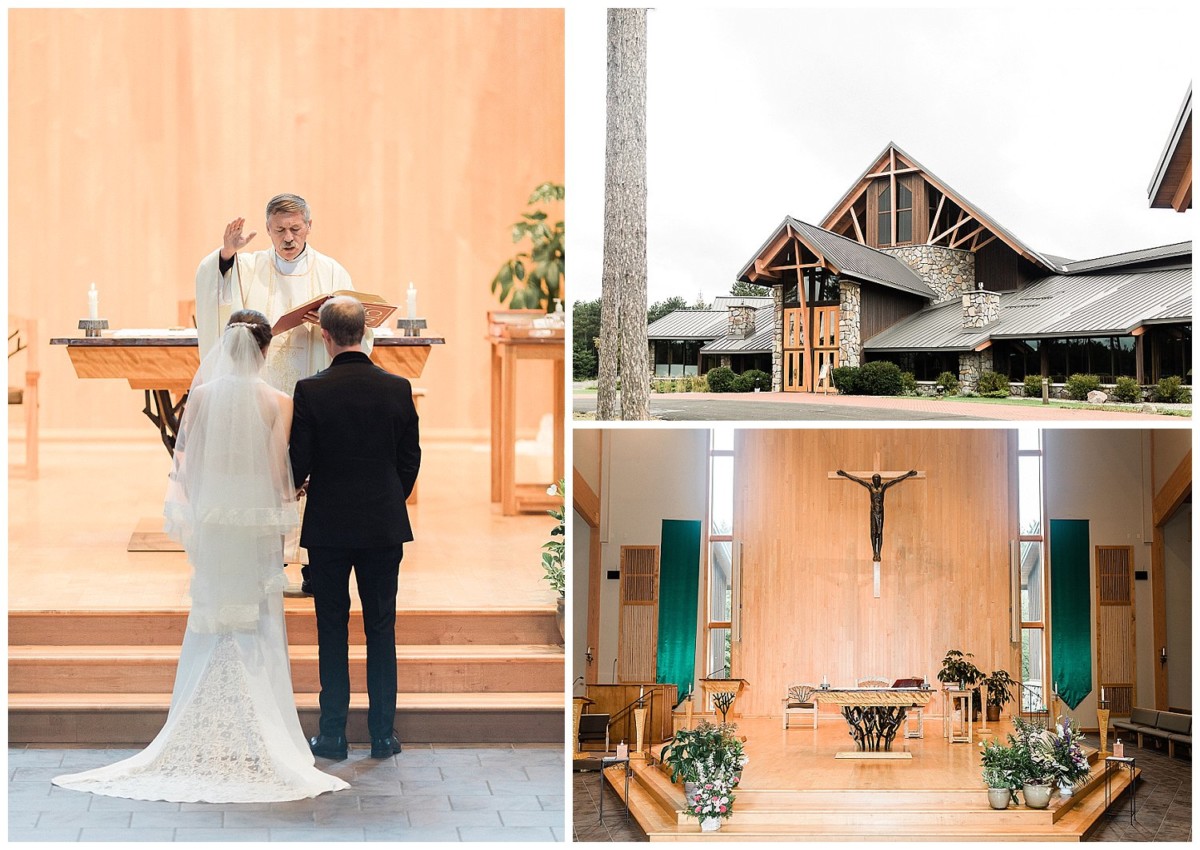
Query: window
{"type": "Point", "coordinates": [903, 212]}
{"type": "Point", "coordinates": [1033, 569]}
{"type": "Point", "coordinates": [719, 595]}
{"type": "Point", "coordinates": [885, 215]}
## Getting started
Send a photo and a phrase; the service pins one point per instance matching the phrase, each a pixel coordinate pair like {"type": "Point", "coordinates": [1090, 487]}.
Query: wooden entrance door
{"type": "Point", "coordinates": [803, 363]}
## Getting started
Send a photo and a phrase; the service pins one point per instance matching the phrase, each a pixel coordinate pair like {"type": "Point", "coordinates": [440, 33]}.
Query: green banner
{"type": "Point", "coordinates": [1071, 609]}
{"type": "Point", "coordinates": [678, 591]}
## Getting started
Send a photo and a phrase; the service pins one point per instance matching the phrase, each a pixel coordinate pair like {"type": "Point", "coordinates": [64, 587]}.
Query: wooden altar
{"type": "Point", "coordinates": [874, 715]}
{"type": "Point", "coordinates": [162, 364]}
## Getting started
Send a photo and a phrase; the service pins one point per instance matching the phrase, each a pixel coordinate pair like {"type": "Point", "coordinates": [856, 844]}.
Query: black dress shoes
{"type": "Point", "coordinates": [382, 748]}
{"type": "Point", "coordinates": [329, 746]}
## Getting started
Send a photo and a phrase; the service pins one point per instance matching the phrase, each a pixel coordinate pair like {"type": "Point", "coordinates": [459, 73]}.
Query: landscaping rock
{"type": "Point", "coordinates": [1097, 397]}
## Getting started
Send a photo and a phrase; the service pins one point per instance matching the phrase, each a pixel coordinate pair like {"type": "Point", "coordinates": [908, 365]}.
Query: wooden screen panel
{"type": "Point", "coordinates": [637, 651]}
{"type": "Point", "coordinates": [1115, 624]}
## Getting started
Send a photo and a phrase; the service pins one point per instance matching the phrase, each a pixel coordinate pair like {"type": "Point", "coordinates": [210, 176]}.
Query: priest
{"type": "Point", "coordinates": [272, 281]}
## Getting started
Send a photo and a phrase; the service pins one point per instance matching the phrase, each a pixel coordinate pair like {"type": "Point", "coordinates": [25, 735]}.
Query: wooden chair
{"type": "Point", "coordinates": [875, 682]}
{"type": "Point", "coordinates": [22, 336]}
{"type": "Point", "coordinates": [800, 699]}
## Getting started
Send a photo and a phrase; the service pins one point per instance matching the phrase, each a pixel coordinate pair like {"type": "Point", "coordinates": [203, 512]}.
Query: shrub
{"type": "Point", "coordinates": [1033, 386]}
{"type": "Point", "coordinates": [1127, 390]}
{"type": "Point", "coordinates": [908, 383]}
{"type": "Point", "coordinates": [949, 381]}
{"type": "Point", "coordinates": [751, 378]}
{"type": "Point", "coordinates": [1078, 386]}
{"type": "Point", "coordinates": [721, 380]}
{"type": "Point", "coordinates": [845, 378]}
{"type": "Point", "coordinates": [994, 385]}
{"type": "Point", "coordinates": [879, 377]}
{"type": "Point", "coordinates": [1172, 391]}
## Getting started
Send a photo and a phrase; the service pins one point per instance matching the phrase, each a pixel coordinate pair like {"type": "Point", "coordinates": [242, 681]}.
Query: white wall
{"type": "Point", "coordinates": [1177, 558]}
{"type": "Point", "coordinates": [580, 534]}
{"type": "Point", "coordinates": [646, 475]}
{"type": "Point", "coordinates": [1103, 476]}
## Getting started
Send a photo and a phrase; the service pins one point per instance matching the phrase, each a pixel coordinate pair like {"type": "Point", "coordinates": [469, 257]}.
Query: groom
{"type": "Point", "coordinates": [354, 437]}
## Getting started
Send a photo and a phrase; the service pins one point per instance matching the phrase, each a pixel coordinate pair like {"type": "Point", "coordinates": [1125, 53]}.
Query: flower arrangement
{"type": "Point", "coordinates": [553, 550]}
{"type": "Point", "coordinates": [1054, 754]}
{"type": "Point", "coordinates": [713, 797]}
{"type": "Point", "coordinates": [1068, 754]}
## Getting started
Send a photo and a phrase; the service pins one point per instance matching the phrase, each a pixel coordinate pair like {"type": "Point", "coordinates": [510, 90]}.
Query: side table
{"type": "Point", "coordinates": [605, 763]}
{"type": "Point", "coordinates": [1114, 763]}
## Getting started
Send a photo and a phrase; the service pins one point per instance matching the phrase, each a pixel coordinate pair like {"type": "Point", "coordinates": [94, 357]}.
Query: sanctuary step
{"type": "Point", "coordinates": [867, 814]}
{"type": "Point", "coordinates": [481, 675]}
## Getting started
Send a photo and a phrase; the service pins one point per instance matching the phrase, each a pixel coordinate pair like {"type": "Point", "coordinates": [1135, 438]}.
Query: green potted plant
{"type": "Point", "coordinates": [533, 279]}
{"type": "Point", "coordinates": [553, 556]}
{"type": "Point", "coordinates": [709, 761]}
{"type": "Point", "coordinates": [1004, 769]}
{"type": "Point", "coordinates": [958, 669]}
{"type": "Point", "coordinates": [999, 686]}
{"type": "Point", "coordinates": [1038, 769]}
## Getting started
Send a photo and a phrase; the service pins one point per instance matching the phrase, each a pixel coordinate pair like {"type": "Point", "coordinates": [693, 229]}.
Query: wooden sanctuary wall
{"type": "Point", "coordinates": [807, 603]}
{"type": "Point", "coordinates": [416, 135]}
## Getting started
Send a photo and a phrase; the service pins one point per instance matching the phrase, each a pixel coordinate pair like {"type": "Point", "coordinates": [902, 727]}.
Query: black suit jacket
{"type": "Point", "coordinates": [354, 433]}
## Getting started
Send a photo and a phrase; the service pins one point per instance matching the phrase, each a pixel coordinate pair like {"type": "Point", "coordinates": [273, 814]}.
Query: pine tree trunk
{"type": "Point", "coordinates": [623, 276]}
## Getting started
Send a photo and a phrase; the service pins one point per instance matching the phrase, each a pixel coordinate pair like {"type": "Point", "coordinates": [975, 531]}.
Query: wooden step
{"type": "Point", "coordinates": [532, 625]}
{"type": "Point", "coordinates": [865, 814]}
{"type": "Point", "coordinates": [422, 669]}
{"type": "Point", "coordinates": [135, 718]}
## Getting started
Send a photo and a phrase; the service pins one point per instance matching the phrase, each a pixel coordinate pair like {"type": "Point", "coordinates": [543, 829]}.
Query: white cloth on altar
{"type": "Point", "coordinates": [264, 281]}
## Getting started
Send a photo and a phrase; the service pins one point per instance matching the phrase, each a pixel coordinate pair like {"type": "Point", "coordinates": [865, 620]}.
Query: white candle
{"type": "Point", "coordinates": [1101, 694]}
{"type": "Point", "coordinates": [412, 300]}
{"type": "Point", "coordinates": [642, 694]}
{"type": "Point", "coordinates": [93, 303]}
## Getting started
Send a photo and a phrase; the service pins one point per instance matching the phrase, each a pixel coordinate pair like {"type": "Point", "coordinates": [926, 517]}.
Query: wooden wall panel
{"type": "Point", "coordinates": [136, 134]}
{"type": "Point", "coordinates": [883, 307]}
{"type": "Point", "coordinates": [808, 609]}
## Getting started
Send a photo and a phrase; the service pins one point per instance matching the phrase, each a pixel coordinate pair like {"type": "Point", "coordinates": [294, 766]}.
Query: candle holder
{"type": "Point", "coordinates": [1102, 715]}
{"type": "Point", "coordinates": [411, 327]}
{"type": "Point", "coordinates": [93, 327]}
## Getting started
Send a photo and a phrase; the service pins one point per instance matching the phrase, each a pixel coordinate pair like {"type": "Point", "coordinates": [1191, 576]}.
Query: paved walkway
{"type": "Point", "coordinates": [791, 406]}
{"type": "Point", "coordinates": [427, 793]}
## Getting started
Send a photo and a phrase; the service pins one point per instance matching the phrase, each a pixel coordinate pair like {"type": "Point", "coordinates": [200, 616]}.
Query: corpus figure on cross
{"type": "Point", "coordinates": [877, 487]}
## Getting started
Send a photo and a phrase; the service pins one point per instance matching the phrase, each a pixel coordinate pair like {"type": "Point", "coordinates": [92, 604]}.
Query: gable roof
{"type": "Point", "coordinates": [1162, 253]}
{"type": "Point", "coordinates": [864, 180]}
{"type": "Point", "coordinates": [845, 257]}
{"type": "Point", "coordinates": [1096, 304]}
{"type": "Point", "coordinates": [690, 324]}
{"type": "Point", "coordinates": [1171, 184]}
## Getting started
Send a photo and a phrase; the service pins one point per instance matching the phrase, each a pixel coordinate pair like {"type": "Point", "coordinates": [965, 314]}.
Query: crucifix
{"type": "Point", "coordinates": [877, 482]}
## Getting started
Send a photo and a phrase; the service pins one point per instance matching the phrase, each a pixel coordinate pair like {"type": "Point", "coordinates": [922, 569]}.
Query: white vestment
{"type": "Point", "coordinates": [264, 281]}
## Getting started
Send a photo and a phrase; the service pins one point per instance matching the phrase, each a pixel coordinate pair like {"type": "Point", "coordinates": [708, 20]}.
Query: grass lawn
{"type": "Point", "coordinates": [1070, 405]}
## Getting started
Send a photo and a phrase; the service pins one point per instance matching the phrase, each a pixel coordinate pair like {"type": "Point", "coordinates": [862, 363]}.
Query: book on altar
{"type": "Point", "coordinates": [376, 307]}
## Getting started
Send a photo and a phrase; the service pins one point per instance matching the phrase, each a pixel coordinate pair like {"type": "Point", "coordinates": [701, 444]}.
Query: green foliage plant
{"type": "Point", "coordinates": [721, 380]}
{"type": "Point", "coordinates": [994, 385]}
{"type": "Point", "coordinates": [845, 378]}
{"type": "Point", "coordinates": [1033, 386]}
{"type": "Point", "coordinates": [553, 551]}
{"type": "Point", "coordinates": [1127, 390]}
{"type": "Point", "coordinates": [532, 279]}
{"type": "Point", "coordinates": [948, 381]}
{"type": "Point", "coordinates": [880, 377]}
{"type": "Point", "coordinates": [1079, 385]}
{"type": "Point", "coordinates": [751, 379]}
{"type": "Point", "coordinates": [908, 383]}
{"type": "Point", "coordinates": [1172, 391]}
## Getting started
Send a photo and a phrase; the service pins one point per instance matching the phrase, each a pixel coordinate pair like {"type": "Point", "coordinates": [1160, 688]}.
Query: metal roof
{"type": "Point", "coordinates": [690, 324]}
{"type": "Point", "coordinates": [955, 195]}
{"type": "Point", "coordinates": [1054, 306]}
{"type": "Point", "coordinates": [1128, 258]}
{"type": "Point", "coordinates": [1168, 155]}
{"type": "Point", "coordinates": [724, 302]}
{"type": "Point", "coordinates": [851, 259]}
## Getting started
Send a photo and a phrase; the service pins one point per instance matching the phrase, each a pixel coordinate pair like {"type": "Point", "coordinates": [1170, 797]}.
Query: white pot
{"type": "Point", "coordinates": [1067, 790]}
{"type": "Point", "coordinates": [710, 824]}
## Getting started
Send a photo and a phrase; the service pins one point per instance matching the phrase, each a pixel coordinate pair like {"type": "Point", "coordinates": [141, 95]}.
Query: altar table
{"type": "Point", "coordinates": [162, 364]}
{"type": "Point", "coordinates": [874, 715]}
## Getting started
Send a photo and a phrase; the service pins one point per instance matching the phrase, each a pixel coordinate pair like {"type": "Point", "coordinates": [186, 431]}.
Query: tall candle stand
{"type": "Point", "coordinates": [1102, 714]}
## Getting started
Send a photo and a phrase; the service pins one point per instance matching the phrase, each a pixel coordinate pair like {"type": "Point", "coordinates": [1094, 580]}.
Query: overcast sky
{"type": "Point", "coordinates": [1049, 121]}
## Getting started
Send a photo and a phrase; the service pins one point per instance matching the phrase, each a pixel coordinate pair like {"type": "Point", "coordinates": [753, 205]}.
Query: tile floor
{"type": "Point", "coordinates": [427, 793]}
{"type": "Point", "coordinates": [1164, 806]}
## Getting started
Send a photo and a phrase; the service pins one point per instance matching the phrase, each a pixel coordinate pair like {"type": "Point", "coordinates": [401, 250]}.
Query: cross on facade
{"type": "Point", "coordinates": [877, 483]}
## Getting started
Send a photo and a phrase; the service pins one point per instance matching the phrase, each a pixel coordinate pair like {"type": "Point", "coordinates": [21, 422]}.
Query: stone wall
{"type": "Point", "coordinates": [849, 323]}
{"type": "Point", "coordinates": [950, 272]}
{"type": "Point", "coordinates": [777, 340]}
{"type": "Point", "coordinates": [972, 364]}
{"type": "Point", "coordinates": [980, 308]}
{"type": "Point", "coordinates": [741, 322]}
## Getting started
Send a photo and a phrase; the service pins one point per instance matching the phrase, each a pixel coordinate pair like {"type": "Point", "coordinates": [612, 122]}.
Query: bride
{"type": "Point", "coordinates": [232, 734]}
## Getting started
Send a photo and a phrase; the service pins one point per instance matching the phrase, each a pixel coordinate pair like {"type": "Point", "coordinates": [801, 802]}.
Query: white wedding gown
{"type": "Point", "coordinates": [232, 734]}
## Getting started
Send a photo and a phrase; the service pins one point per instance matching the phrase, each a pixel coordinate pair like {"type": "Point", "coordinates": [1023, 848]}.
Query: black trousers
{"type": "Point", "coordinates": [376, 571]}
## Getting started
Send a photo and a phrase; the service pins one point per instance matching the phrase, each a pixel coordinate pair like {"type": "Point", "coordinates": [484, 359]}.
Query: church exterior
{"type": "Point", "coordinates": [905, 269]}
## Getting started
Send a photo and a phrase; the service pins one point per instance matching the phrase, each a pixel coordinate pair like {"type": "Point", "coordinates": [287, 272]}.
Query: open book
{"type": "Point", "coordinates": [377, 309]}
